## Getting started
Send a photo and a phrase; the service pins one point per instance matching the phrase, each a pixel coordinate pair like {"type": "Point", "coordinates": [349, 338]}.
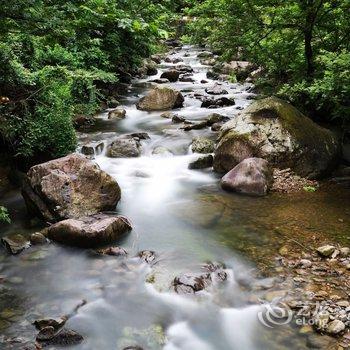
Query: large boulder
{"type": "Point", "coordinates": [252, 177]}
{"type": "Point", "coordinates": [161, 99]}
{"type": "Point", "coordinates": [89, 231]}
{"type": "Point", "coordinates": [276, 131]}
{"type": "Point", "coordinates": [69, 187]}
{"type": "Point", "coordinates": [124, 147]}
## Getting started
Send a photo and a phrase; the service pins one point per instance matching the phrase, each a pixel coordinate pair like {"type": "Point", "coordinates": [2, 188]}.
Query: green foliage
{"type": "Point", "coordinates": [4, 216]}
{"type": "Point", "coordinates": [310, 189]}
{"type": "Point", "coordinates": [54, 54]}
{"type": "Point", "coordinates": [302, 45]}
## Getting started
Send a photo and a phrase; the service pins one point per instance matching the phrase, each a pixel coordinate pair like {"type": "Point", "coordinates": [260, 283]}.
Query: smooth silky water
{"type": "Point", "coordinates": [187, 220]}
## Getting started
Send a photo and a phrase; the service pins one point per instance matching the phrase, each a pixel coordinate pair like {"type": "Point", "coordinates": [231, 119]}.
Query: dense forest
{"type": "Point", "coordinates": [55, 55]}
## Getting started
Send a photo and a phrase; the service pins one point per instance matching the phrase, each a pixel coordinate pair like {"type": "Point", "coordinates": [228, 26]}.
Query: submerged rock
{"type": "Point", "coordinates": [202, 145]}
{"type": "Point", "coordinates": [90, 231]}
{"type": "Point", "coordinates": [160, 99]}
{"type": "Point", "coordinates": [15, 243]}
{"type": "Point", "coordinates": [68, 187]}
{"type": "Point", "coordinates": [274, 130]}
{"type": "Point", "coordinates": [252, 176]}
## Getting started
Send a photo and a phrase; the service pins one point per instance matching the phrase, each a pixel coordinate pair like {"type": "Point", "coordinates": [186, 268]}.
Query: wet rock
{"type": "Point", "coordinates": [195, 126]}
{"type": "Point", "coordinates": [113, 251]}
{"type": "Point", "coordinates": [217, 103]}
{"type": "Point", "coordinates": [168, 115]}
{"type": "Point", "coordinates": [252, 177]}
{"type": "Point", "coordinates": [91, 149]}
{"type": "Point", "coordinates": [335, 327]}
{"type": "Point", "coordinates": [326, 250]}
{"type": "Point", "coordinates": [162, 151]}
{"type": "Point", "coordinates": [177, 119]}
{"type": "Point", "coordinates": [55, 323]}
{"type": "Point", "coordinates": [157, 58]}
{"type": "Point", "coordinates": [172, 75]}
{"type": "Point", "coordinates": [112, 103]}
{"type": "Point", "coordinates": [216, 118]}
{"type": "Point", "coordinates": [186, 79]}
{"type": "Point", "coordinates": [173, 60]}
{"type": "Point", "coordinates": [67, 187]}
{"type": "Point", "coordinates": [184, 68]}
{"type": "Point", "coordinates": [147, 256]}
{"type": "Point", "coordinates": [202, 145]}
{"type": "Point", "coordinates": [216, 90]}
{"type": "Point", "coordinates": [15, 243]}
{"type": "Point", "coordinates": [133, 347]}
{"type": "Point", "coordinates": [275, 294]}
{"type": "Point", "coordinates": [83, 122]}
{"type": "Point", "coordinates": [202, 162]}
{"type": "Point", "coordinates": [161, 99]}
{"type": "Point", "coordinates": [124, 147]}
{"type": "Point", "coordinates": [213, 75]}
{"type": "Point", "coordinates": [140, 136]}
{"type": "Point", "coordinates": [117, 114]}
{"type": "Point", "coordinates": [274, 130]}
{"type": "Point", "coordinates": [37, 238]}
{"type": "Point", "coordinates": [160, 81]}
{"type": "Point", "coordinates": [64, 337]}
{"type": "Point", "coordinates": [173, 43]}
{"type": "Point", "coordinates": [216, 127]}
{"type": "Point", "coordinates": [90, 231]}
{"type": "Point", "coordinates": [205, 54]}
{"type": "Point", "coordinates": [204, 81]}
{"type": "Point", "coordinates": [191, 283]}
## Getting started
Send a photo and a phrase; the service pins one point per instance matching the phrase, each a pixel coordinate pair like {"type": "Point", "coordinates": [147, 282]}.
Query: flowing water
{"type": "Point", "coordinates": [187, 220]}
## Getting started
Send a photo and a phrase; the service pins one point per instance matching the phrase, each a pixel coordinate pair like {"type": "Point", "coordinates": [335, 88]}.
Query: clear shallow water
{"type": "Point", "coordinates": [183, 216]}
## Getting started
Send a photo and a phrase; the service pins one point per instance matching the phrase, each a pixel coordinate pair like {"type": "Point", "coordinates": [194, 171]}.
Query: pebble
{"type": "Point", "coordinates": [326, 250]}
{"type": "Point", "coordinates": [335, 327]}
{"type": "Point", "coordinates": [305, 263]}
{"type": "Point", "coordinates": [344, 252]}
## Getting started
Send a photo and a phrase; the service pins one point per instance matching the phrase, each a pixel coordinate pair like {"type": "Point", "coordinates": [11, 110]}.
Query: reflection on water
{"type": "Point", "coordinates": [183, 216]}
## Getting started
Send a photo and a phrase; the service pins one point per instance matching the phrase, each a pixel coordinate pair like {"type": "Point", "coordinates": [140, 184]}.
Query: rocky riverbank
{"type": "Point", "coordinates": [163, 170]}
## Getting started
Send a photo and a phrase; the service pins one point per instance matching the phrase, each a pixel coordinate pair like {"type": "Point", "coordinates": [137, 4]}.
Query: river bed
{"type": "Point", "coordinates": [186, 219]}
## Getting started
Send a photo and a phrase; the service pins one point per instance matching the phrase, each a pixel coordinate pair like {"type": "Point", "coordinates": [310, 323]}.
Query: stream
{"type": "Point", "coordinates": [187, 220]}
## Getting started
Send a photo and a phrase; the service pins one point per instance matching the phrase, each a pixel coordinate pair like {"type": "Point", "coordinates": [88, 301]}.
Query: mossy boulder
{"type": "Point", "coordinates": [161, 99]}
{"type": "Point", "coordinates": [274, 130]}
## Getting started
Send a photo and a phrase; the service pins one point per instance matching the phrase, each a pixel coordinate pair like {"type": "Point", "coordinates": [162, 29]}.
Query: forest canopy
{"type": "Point", "coordinates": [302, 45]}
